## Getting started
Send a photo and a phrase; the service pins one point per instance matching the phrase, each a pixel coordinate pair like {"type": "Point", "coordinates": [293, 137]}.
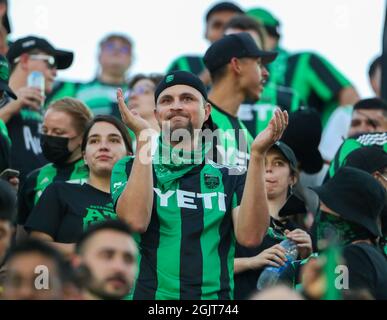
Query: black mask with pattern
{"type": "Point", "coordinates": [333, 230]}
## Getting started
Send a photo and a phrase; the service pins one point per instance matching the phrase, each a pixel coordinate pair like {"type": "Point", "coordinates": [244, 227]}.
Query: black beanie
{"type": "Point", "coordinates": [180, 77]}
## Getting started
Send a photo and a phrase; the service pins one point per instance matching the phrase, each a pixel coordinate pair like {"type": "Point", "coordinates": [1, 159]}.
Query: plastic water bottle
{"type": "Point", "coordinates": [270, 275]}
{"type": "Point", "coordinates": [36, 80]}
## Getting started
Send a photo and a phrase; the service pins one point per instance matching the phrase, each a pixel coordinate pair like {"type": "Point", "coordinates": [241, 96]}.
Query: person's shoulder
{"type": "Point", "coordinates": [122, 164]}
{"type": "Point", "coordinates": [34, 173]}
{"type": "Point", "coordinates": [124, 161]}
{"type": "Point", "coordinates": [175, 64]}
{"type": "Point", "coordinates": [88, 85]}
{"type": "Point", "coordinates": [65, 186]}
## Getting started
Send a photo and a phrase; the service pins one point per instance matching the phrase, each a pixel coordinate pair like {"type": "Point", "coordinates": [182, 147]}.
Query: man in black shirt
{"type": "Point", "coordinates": [23, 116]}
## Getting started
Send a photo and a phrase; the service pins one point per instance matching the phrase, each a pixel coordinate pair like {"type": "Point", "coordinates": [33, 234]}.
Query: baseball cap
{"type": "Point", "coordinates": [369, 159]}
{"type": "Point", "coordinates": [180, 77]}
{"type": "Point", "coordinates": [288, 153]}
{"type": "Point", "coordinates": [4, 77]}
{"type": "Point", "coordinates": [63, 58]}
{"type": "Point", "coordinates": [237, 45]}
{"type": "Point", "coordinates": [223, 6]}
{"type": "Point", "coordinates": [265, 18]}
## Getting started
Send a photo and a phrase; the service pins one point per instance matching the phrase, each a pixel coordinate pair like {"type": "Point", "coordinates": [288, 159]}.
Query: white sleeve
{"type": "Point", "coordinates": [335, 132]}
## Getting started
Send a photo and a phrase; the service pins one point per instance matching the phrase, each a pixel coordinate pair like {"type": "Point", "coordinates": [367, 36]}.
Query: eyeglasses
{"type": "Point", "coordinates": [111, 47]}
{"type": "Point", "coordinates": [141, 90]}
{"type": "Point", "coordinates": [50, 60]}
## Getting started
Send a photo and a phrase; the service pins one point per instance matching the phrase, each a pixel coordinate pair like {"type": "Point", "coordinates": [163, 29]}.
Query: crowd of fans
{"type": "Point", "coordinates": [184, 185]}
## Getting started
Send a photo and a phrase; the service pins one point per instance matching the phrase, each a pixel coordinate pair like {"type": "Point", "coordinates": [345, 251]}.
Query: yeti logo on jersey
{"type": "Point", "coordinates": [212, 182]}
{"type": "Point", "coordinates": [189, 200]}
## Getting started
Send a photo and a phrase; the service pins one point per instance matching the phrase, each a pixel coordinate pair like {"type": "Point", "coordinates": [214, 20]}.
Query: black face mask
{"type": "Point", "coordinates": [55, 149]}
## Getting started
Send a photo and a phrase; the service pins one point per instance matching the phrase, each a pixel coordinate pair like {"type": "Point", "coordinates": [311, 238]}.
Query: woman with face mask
{"type": "Point", "coordinates": [280, 176]}
{"type": "Point", "coordinates": [351, 204]}
{"type": "Point", "coordinates": [63, 126]}
{"type": "Point", "coordinates": [65, 209]}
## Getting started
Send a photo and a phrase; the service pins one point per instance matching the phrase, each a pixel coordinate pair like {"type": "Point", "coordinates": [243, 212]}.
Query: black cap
{"type": "Point", "coordinates": [287, 153]}
{"type": "Point", "coordinates": [180, 77]}
{"type": "Point", "coordinates": [223, 6]}
{"type": "Point", "coordinates": [63, 58]}
{"type": "Point", "coordinates": [355, 196]}
{"type": "Point", "coordinates": [303, 135]}
{"type": "Point", "coordinates": [237, 45]}
{"type": "Point", "coordinates": [369, 159]}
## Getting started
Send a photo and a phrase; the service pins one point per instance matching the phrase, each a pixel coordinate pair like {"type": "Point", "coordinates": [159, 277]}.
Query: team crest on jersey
{"type": "Point", "coordinates": [212, 182]}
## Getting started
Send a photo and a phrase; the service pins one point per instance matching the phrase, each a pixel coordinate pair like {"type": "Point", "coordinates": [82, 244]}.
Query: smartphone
{"type": "Point", "coordinates": [9, 174]}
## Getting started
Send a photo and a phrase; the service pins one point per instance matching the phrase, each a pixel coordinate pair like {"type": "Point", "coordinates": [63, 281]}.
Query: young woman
{"type": "Point", "coordinates": [280, 177]}
{"type": "Point", "coordinates": [65, 210]}
{"type": "Point", "coordinates": [64, 124]}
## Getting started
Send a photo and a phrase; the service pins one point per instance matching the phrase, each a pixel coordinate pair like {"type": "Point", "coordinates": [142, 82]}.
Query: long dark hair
{"type": "Point", "coordinates": [115, 122]}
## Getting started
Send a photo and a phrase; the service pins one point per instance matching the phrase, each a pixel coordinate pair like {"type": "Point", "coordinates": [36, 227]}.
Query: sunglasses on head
{"type": "Point", "coordinates": [50, 60]}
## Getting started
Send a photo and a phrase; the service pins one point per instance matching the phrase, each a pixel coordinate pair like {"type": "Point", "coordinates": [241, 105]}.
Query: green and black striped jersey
{"type": "Point", "coordinates": [256, 116]}
{"type": "Point", "coordinates": [314, 78]}
{"type": "Point", "coordinates": [233, 140]}
{"type": "Point", "coordinates": [193, 64]}
{"type": "Point", "coordinates": [38, 180]}
{"type": "Point", "coordinates": [188, 249]}
{"type": "Point", "coordinates": [351, 144]}
{"type": "Point", "coordinates": [62, 89]}
{"type": "Point", "coordinates": [5, 147]}
{"type": "Point", "coordinates": [100, 97]}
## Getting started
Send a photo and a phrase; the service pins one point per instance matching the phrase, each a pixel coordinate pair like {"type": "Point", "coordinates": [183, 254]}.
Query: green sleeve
{"type": "Point", "coordinates": [120, 176]}
{"type": "Point", "coordinates": [4, 132]}
{"type": "Point", "coordinates": [62, 89]}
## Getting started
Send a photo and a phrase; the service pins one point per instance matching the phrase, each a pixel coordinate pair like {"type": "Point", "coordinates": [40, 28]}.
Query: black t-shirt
{"type": "Point", "coordinates": [367, 269]}
{"type": "Point", "coordinates": [39, 179]}
{"type": "Point", "coordinates": [24, 131]}
{"type": "Point", "coordinates": [246, 282]}
{"type": "Point", "coordinates": [65, 210]}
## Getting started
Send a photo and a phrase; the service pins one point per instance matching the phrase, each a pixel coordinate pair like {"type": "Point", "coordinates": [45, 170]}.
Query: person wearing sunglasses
{"type": "Point", "coordinates": [114, 61]}
{"type": "Point", "coordinates": [23, 116]}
